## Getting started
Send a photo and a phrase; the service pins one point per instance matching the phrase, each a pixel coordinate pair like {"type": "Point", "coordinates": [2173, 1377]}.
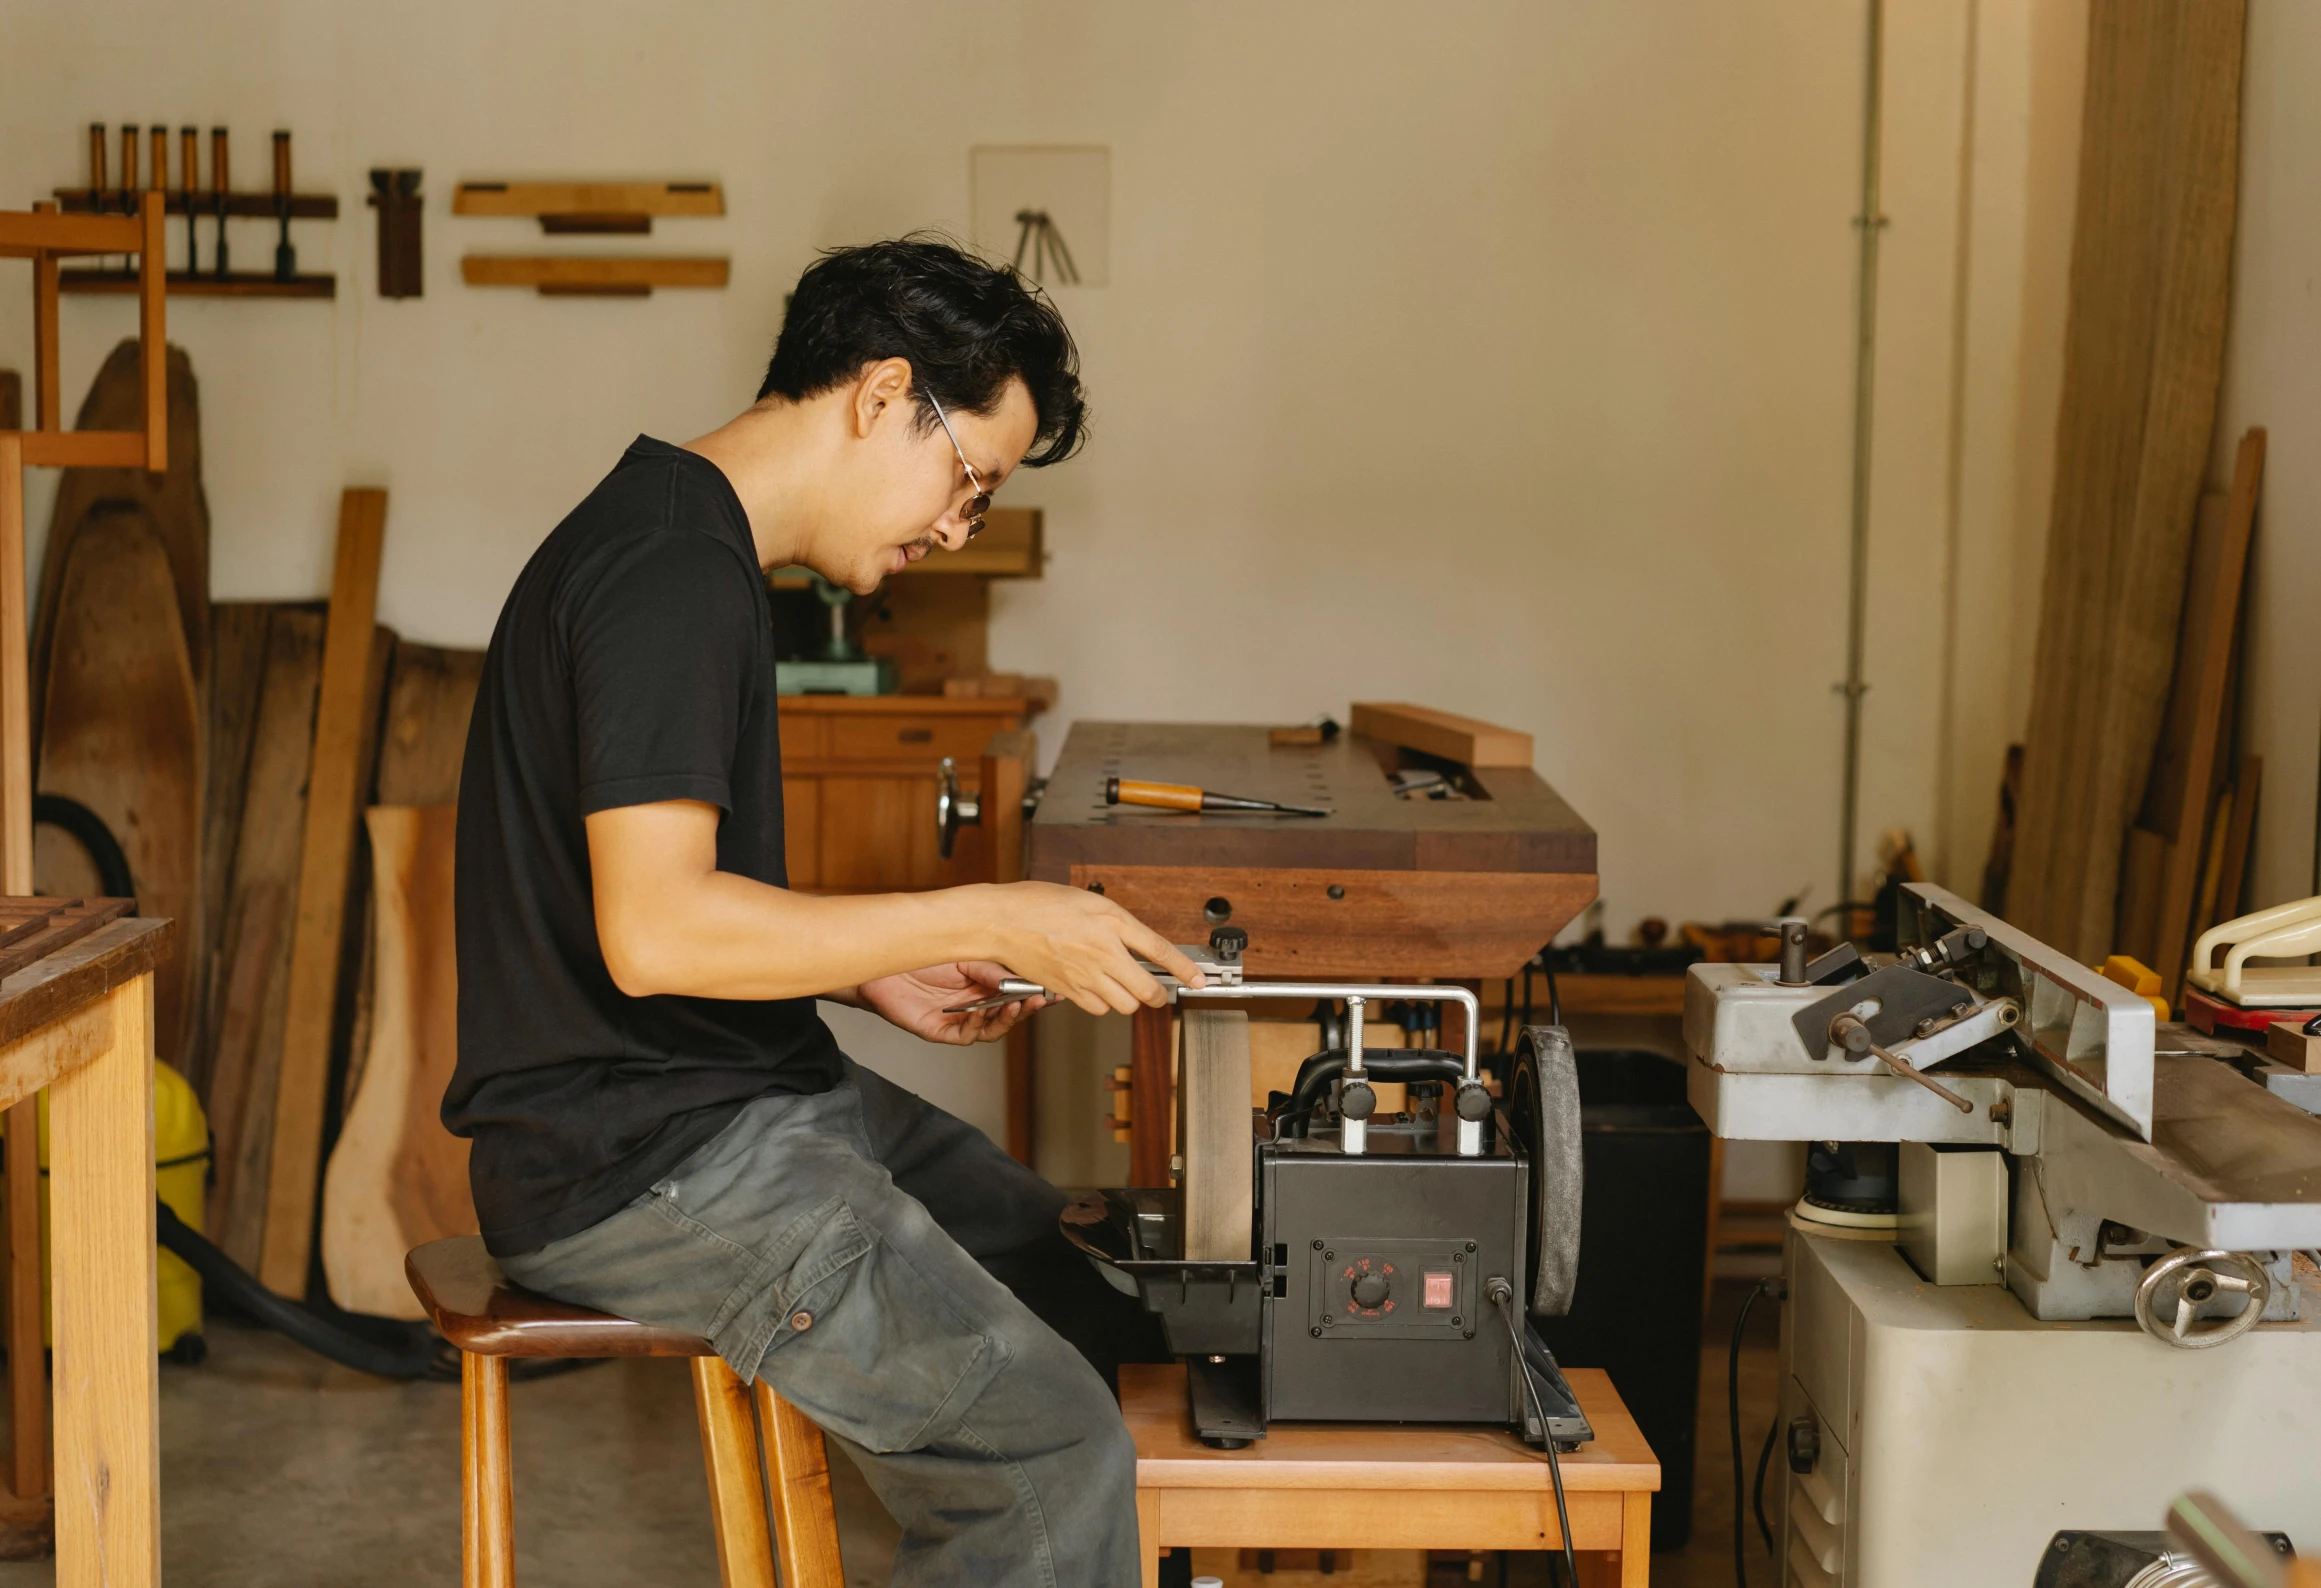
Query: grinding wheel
{"type": "Point", "coordinates": [1543, 1110]}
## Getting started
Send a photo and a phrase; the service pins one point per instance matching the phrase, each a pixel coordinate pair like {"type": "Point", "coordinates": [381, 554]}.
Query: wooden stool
{"type": "Point", "coordinates": [490, 1319]}
{"type": "Point", "coordinates": [1387, 1486]}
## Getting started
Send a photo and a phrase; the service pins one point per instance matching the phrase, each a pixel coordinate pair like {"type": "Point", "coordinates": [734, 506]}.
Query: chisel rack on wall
{"type": "Point", "coordinates": [202, 272]}
{"type": "Point", "coordinates": [566, 209]}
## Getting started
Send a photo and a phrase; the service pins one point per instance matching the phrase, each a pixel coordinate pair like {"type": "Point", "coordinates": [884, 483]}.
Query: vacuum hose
{"type": "Point", "coordinates": [420, 1356]}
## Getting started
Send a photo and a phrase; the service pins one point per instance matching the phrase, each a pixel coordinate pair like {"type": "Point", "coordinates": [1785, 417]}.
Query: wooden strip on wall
{"type": "Point", "coordinates": [588, 198]}
{"type": "Point", "coordinates": [574, 272]}
{"type": "Point", "coordinates": [343, 731]}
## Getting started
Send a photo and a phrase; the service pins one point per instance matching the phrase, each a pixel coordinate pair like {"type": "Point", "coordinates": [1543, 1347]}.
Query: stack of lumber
{"type": "Point", "coordinates": [229, 752]}
{"type": "Point", "coordinates": [400, 742]}
{"type": "Point", "coordinates": [2143, 359]}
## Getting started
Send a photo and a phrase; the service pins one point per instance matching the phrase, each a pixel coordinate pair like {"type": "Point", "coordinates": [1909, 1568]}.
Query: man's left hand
{"type": "Point", "coordinates": [917, 1001]}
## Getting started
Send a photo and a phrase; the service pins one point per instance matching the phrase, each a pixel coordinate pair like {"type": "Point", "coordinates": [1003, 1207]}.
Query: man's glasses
{"type": "Point", "coordinates": [980, 502]}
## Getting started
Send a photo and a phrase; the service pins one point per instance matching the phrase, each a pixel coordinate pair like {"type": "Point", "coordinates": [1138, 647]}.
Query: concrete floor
{"type": "Point", "coordinates": [280, 1470]}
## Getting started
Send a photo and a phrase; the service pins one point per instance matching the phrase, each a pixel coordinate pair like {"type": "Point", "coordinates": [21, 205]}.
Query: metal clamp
{"type": "Point", "coordinates": [2193, 1273]}
{"type": "Point", "coordinates": [953, 809]}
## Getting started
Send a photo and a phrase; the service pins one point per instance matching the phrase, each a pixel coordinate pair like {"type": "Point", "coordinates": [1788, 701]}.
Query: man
{"type": "Point", "coordinates": [663, 1128]}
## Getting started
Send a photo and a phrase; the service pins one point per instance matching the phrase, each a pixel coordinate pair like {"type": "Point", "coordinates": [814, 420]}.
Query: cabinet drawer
{"type": "Point", "coordinates": [803, 737]}
{"type": "Point", "coordinates": [916, 739]}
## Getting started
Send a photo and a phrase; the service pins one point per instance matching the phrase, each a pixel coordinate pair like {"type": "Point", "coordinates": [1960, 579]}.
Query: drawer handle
{"type": "Point", "coordinates": [916, 735]}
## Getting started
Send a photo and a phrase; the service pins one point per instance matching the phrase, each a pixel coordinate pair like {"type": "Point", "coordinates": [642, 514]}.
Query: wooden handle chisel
{"type": "Point", "coordinates": [1185, 797]}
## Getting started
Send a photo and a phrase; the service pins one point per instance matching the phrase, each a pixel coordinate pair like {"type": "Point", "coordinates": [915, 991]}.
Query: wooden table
{"type": "Point", "coordinates": [80, 1023]}
{"type": "Point", "coordinates": [1372, 1486]}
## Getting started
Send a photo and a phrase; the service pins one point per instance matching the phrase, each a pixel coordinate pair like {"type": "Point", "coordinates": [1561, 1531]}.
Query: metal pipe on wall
{"type": "Point", "coordinates": [1870, 223]}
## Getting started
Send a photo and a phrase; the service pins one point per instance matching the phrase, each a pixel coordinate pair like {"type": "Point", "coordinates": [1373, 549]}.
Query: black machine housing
{"type": "Point", "coordinates": [1368, 1294]}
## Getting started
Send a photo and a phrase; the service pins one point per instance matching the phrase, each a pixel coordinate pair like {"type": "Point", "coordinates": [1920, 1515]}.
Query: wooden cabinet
{"type": "Point", "coordinates": [858, 788]}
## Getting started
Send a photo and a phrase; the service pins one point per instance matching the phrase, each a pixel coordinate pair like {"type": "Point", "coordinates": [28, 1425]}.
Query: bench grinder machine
{"type": "Point", "coordinates": [1321, 1260]}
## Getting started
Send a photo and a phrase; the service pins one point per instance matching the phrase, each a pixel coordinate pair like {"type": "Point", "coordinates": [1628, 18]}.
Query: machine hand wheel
{"type": "Point", "coordinates": [2193, 1276]}
{"type": "Point", "coordinates": [953, 809]}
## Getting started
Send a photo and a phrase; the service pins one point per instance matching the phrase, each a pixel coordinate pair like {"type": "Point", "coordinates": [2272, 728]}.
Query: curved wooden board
{"type": "Point", "coordinates": [180, 511]}
{"type": "Point", "coordinates": [397, 1178]}
{"type": "Point", "coordinates": [120, 729]}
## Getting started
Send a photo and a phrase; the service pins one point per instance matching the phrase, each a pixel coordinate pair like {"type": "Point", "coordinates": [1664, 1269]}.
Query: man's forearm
{"type": "Point", "coordinates": [670, 922]}
{"type": "Point", "coordinates": [723, 936]}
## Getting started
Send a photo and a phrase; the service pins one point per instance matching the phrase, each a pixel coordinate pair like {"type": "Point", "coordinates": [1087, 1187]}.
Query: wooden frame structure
{"type": "Point", "coordinates": [46, 236]}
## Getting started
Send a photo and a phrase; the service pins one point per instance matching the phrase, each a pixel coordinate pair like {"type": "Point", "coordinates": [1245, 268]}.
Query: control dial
{"type": "Point", "coordinates": [1371, 1290]}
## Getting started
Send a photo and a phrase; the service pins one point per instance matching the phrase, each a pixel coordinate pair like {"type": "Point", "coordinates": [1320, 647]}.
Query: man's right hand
{"type": "Point", "coordinates": [1082, 946]}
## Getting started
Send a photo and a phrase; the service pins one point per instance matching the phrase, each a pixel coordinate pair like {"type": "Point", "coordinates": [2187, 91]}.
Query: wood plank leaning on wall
{"type": "Point", "coordinates": [2143, 359]}
{"type": "Point", "coordinates": [270, 665]}
{"type": "Point", "coordinates": [2168, 856]}
{"type": "Point", "coordinates": [345, 734]}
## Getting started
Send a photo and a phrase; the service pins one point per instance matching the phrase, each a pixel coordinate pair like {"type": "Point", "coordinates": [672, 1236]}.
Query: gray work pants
{"type": "Point", "coordinates": [843, 1247]}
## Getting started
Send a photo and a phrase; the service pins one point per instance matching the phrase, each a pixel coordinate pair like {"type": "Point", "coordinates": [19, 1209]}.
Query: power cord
{"type": "Point", "coordinates": [1764, 1287]}
{"type": "Point", "coordinates": [1757, 1493]}
{"type": "Point", "coordinates": [1502, 1295]}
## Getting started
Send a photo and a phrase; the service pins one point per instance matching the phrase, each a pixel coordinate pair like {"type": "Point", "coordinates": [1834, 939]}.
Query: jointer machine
{"type": "Point", "coordinates": [2052, 1266]}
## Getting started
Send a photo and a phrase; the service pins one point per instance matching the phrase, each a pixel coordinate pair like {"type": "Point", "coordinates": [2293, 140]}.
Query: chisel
{"type": "Point", "coordinates": [189, 156]}
{"type": "Point", "coordinates": [285, 256]}
{"type": "Point", "coordinates": [1185, 797]}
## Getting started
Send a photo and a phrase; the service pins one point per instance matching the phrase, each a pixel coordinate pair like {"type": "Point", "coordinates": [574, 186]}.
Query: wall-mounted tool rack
{"type": "Point", "coordinates": [566, 209]}
{"type": "Point", "coordinates": [216, 203]}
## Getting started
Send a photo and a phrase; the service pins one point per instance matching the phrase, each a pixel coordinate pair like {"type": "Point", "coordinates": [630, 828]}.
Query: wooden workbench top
{"type": "Point", "coordinates": [54, 986]}
{"type": "Point", "coordinates": [1522, 826]}
{"type": "Point", "coordinates": [1374, 1455]}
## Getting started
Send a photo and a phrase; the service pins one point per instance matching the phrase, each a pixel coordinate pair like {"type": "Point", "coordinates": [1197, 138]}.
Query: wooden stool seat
{"type": "Point", "coordinates": [481, 1310]}
{"type": "Point", "coordinates": [490, 1319]}
{"type": "Point", "coordinates": [1390, 1486]}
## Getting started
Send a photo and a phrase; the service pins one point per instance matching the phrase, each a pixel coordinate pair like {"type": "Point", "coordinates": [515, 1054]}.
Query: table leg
{"type": "Point", "coordinates": [1148, 1544]}
{"type": "Point", "coordinates": [1636, 1538]}
{"type": "Point", "coordinates": [108, 1424]}
{"type": "Point", "coordinates": [27, 1382]}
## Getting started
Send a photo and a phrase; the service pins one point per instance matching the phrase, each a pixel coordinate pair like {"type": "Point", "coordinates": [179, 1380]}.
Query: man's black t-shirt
{"type": "Point", "coordinates": [633, 663]}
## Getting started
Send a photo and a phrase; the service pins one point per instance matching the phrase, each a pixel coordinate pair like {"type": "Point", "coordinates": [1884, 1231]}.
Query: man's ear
{"type": "Point", "coordinates": [881, 386]}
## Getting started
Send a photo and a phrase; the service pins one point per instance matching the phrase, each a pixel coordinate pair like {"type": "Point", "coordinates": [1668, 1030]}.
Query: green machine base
{"type": "Point", "coordinates": [872, 675]}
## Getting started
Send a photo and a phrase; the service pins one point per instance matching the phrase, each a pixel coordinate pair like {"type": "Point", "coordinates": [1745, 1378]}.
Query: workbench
{"type": "Point", "coordinates": [1383, 887]}
{"type": "Point", "coordinates": [1377, 1486]}
{"type": "Point", "coordinates": [80, 1023]}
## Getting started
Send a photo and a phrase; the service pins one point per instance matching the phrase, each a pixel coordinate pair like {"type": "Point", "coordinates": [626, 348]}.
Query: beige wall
{"type": "Point", "coordinates": [1495, 355]}
{"type": "Point", "coordinates": [2272, 378]}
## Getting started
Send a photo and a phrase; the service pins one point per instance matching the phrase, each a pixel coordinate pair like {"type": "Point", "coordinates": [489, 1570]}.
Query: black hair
{"type": "Point", "coordinates": [966, 327]}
